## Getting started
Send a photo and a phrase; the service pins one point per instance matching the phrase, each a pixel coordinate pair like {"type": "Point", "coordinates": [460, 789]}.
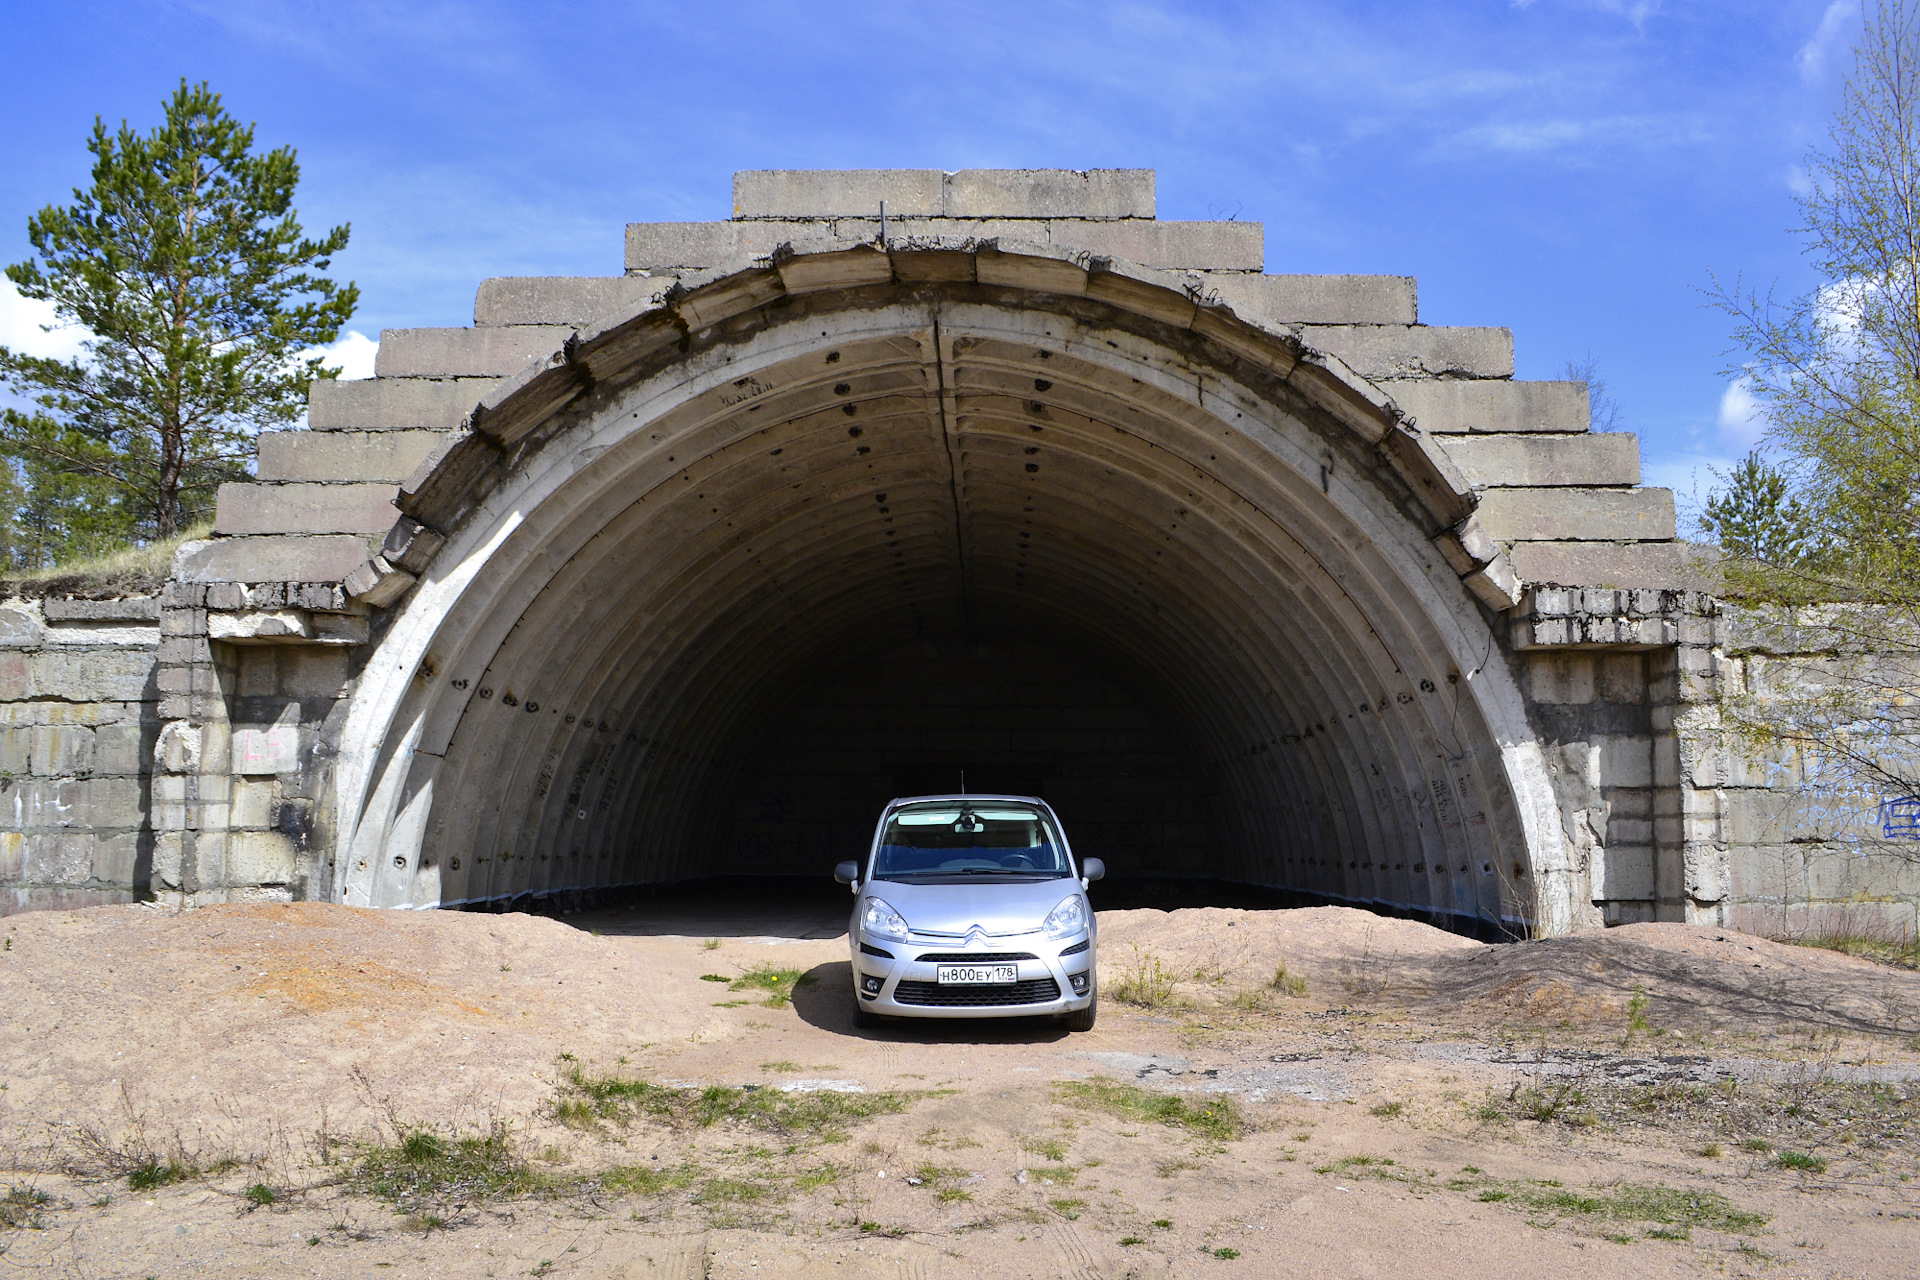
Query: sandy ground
{"type": "Point", "coordinates": [1655, 1100]}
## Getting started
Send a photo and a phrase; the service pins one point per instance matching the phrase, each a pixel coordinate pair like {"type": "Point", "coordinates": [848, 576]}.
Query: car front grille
{"type": "Point", "coordinates": [1076, 948]}
{"type": "Point", "coordinates": [974, 957]}
{"type": "Point", "coordinates": [1038, 991]}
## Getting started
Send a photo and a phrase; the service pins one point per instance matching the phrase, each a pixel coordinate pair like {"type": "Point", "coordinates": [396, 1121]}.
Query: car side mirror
{"type": "Point", "coordinates": [847, 873]}
{"type": "Point", "coordinates": [1092, 869]}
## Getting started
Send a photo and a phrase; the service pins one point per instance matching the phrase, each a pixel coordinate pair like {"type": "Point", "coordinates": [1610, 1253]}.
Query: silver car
{"type": "Point", "coordinates": [971, 907]}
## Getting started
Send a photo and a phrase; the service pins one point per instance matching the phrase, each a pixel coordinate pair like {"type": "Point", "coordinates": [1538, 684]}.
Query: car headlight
{"type": "Point", "coordinates": [882, 921]}
{"type": "Point", "coordinates": [1067, 919]}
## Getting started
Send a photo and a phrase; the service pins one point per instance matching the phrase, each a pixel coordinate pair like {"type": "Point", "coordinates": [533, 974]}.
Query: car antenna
{"type": "Point", "coordinates": [963, 782]}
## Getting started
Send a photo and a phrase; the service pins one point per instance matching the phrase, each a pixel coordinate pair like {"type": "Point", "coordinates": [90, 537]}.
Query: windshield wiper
{"type": "Point", "coordinates": [1001, 871]}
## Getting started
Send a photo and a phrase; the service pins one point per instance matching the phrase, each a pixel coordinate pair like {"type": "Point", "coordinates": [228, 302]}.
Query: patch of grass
{"type": "Point", "coordinates": [591, 1099]}
{"type": "Point", "coordinates": [1670, 1207]}
{"type": "Point", "coordinates": [731, 1191]}
{"type": "Point", "coordinates": [813, 1179]}
{"type": "Point", "coordinates": [1217, 1116]}
{"type": "Point", "coordinates": [1163, 1224]}
{"type": "Point", "coordinates": [1051, 1148]}
{"type": "Point", "coordinates": [421, 1222]}
{"type": "Point", "coordinates": [1894, 949]}
{"type": "Point", "coordinates": [1225, 1254]}
{"type": "Point", "coordinates": [1671, 1233]}
{"type": "Point", "coordinates": [1388, 1109]}
{"type": "Point", "coordinates": [1637, 1023]}
{"type": "Point", "coordinates": [777, 982]}
{"type": "Point", "coordinates": [1127, 1242]}
{"type": "Point", "coordinates": [1711, 1150]}
{"type": "Point", "coordinates": [1760, 1145]}
{"type": "Point", "coordinates": [1286, 983]}
{"type": "Point", "coordinates": [260, 1195]}
{"type": "Point", "coordinates": [711, 944]}
{"type": "Point", "coordinates": [1171, 1167]}
{"type": "Point", "coordinates": [715, 977]}
{"type": "Point", "coordinates": [124, 571]}
{"type": "Point", "coordinates": [154, 1173]}
{"type": "Point", "coordinates": [423, 1163]}
{"type": "Point", "coordinates": [1800, 1160]}
{"type": "Point", "coordinates": [1067, 1208]}
{"type": "Point", "coordinates": [782, 1066]}
{"type": "Point", "coordinates": [21, 1207]}
{"type": "Point", "coordinates": [647, 1179]}
{"type": "Point", "coordinates": [1147, 983]}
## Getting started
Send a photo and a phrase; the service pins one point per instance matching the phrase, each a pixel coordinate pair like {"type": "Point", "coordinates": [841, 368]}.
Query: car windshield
{"type": "Point", "coordinates": [958, 838]}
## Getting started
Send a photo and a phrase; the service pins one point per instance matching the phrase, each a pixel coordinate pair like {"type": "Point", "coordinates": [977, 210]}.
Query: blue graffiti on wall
{"type": "Point", "coordinates": [1900, 818]}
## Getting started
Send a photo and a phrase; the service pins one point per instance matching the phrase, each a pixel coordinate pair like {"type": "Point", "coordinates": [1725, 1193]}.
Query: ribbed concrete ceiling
{"type": "Point", "coordinates": [682, 555]}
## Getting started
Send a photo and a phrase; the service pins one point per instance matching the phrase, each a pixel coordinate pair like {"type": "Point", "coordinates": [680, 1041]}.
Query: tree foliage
{"type": "Point", "coordinates": [1830, 532]}
{"type": "Point", "coordinates": [185, 265]}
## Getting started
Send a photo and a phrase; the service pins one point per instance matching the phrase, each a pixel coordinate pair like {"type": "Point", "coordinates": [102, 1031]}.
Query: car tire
{"type": "Point", "coordinates": [865, 1018]}
{"type": "Point", "coordinates": [1082, 1019]}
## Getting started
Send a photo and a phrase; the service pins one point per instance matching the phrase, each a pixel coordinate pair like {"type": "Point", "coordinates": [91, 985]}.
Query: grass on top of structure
{"type": "Point", "coordinates": [127, 571]}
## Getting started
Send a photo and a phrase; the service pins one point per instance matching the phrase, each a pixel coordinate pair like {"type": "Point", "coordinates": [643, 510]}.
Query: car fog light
{"type": "Point", "coordinates": [870, 984]}
{"type": "Point", "coordinates": [1079, 981]}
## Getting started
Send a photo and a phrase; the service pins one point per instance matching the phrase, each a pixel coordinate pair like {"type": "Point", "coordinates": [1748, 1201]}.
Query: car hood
{"type": "Point", "coordinates": [997, 909]}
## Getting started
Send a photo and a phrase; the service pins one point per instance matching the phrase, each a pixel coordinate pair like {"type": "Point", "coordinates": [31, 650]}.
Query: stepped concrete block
{"type": "Point", "coordinates": [1171, 246]}
{"type": "Point", "coordinates": [1492, 406]}
{"type": "Point", "coordinates": [393, 404]}
{"type": "Point", "coordinates": [1527, 461]}
{"type": "Point", "coordinates": [465, 353]}
{"type": "Point", "coordinates": [574, 301]}
{"type": "Point", "coordinates": [838, 193]}
{"type": "Point", "coordinates": [19, 629]}
{"type": "Point", "coordinates": [1318, 299]}
{"type": "Point", "coordinates": [384, 456]}
{"type": "Point", "coordinates": [305, 508]}
{"type": "Point", "coordinates": [1184, 246]}
{"type": "Point", "coordinates": [1417, 351]}
{"type": "Point", "coordinates": [692, 246]}
{"type": "Point", "coordinates": [269, 559]}
{"type": "Point", "coordinates": [1668, 565]}
{"type": "Point", "coordinates": [136, 609]}
{"type": "Point", "coordinates": [1578, 515]}
{"type": "Point", "coordinates": [1048, 193]}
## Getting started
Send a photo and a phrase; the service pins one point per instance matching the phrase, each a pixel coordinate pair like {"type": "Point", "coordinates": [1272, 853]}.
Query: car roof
{"type": "Point", "coordinates": [969, 796]}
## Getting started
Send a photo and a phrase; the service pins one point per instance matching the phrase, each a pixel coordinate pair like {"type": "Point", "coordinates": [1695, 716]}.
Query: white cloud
{"type": "Point", "coordinates": [1812, 58]}
{"type": "Point", "coordinates": [23, 327]}
{"type": "Point", "coordinates": [1743, 420]}
{"type": "Point", "coordinates": [354, 355]}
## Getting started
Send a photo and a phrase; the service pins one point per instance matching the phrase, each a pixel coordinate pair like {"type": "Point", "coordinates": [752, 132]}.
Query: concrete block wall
{"type": "Point", "coordinates": [78, 720]}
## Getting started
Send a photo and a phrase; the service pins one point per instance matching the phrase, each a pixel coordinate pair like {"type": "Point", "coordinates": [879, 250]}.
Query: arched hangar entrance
{"type": "Point", "coordinates": [721, 574]}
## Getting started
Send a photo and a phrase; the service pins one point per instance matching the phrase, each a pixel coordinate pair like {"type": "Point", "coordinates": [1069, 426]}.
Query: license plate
{"type": "Point", "coordinates": [976, 975]}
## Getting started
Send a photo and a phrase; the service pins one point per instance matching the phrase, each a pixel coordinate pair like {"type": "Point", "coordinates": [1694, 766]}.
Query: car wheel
{"type": "Point", "coordinates": [1082, 1019]}
{"type": "Point", "coordinates": [864, 1017]}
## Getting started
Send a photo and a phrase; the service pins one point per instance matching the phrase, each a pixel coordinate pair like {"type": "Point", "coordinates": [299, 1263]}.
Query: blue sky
{"type": "Point", "coordinates": [1577, 170]}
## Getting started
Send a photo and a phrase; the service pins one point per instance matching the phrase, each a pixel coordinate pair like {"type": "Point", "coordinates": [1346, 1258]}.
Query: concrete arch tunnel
{"type": "Point", "coordinates": [732, 565]}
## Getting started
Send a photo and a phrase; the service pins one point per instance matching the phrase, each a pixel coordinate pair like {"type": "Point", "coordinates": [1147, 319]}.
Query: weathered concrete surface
{"type": "Point", "coordinates": [78, 705]}
{"type": "Point", "coordinates": [1573, 514]}
{"type": "Point", "coordinates": [563, 300]}
{"type": "Point", "coordinates": [1209, 246]}
{"type": "Point", "coordinates": [1383, 351]}
{"type": "Point", "coordinates": [344, 456]}
{"type": "Point", "coordinates": [1606, 459]}
{"type": "Point", "coordinates": [394, 404]}
{"type": "Point", "coordinates": [304, 508]}
{"type": "Point", "coordinates": [1492, 406]}
{"type": "Point", "coordinates": [464, 353]}
{"type": "Point", "coordinates": [1328, 300]}
{"type": "Point", "coordinates": [930, 193]}
{"type": "Point", "coordinates": [270, 559]}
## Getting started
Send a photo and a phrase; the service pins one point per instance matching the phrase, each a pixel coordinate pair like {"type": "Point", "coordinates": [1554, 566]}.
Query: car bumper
{"type": "Point", "coordinates": [908, 984]}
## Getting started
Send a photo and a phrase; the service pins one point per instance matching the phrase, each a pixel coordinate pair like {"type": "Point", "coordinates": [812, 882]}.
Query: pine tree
{"type": "Point", "coordinates": [186, 266]}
